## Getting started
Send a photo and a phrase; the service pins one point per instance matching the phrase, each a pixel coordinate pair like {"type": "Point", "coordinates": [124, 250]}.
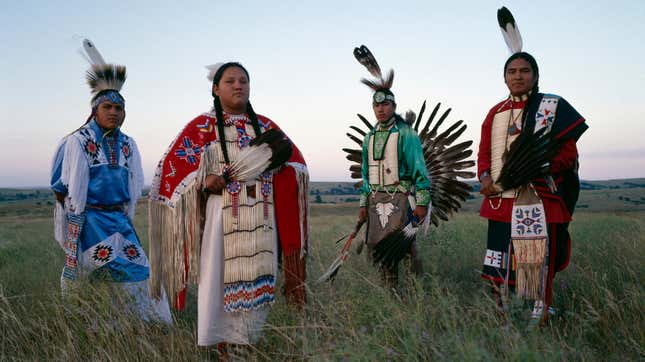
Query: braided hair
{"type": "Point", "coordinates": [217, 104]}
{"type": "Point", "coordinates": [536, 73]}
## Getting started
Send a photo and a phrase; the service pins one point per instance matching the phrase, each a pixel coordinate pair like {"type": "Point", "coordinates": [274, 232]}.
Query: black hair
{"type": "Point", "coordinates": [217, 104]}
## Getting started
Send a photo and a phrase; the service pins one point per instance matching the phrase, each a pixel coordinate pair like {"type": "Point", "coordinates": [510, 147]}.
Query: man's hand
{"type": "Point", "coordinates": [362, 215]}
{"type": "Point", "coordinates": [60, 197]}
{"type": "Point", "coordinates": [215, 184]}
{"type": "Point", "coordinates": [420, 212]}
{"type": "Point", "coordinates": [487, 187]}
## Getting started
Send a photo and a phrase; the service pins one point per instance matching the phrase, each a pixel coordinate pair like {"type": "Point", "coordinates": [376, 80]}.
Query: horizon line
{"type": "Point", "coordinates": [349, 182]}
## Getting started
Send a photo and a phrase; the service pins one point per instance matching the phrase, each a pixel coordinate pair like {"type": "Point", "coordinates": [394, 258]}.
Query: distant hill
{"type": "Point", "coordinates": [607, 195]}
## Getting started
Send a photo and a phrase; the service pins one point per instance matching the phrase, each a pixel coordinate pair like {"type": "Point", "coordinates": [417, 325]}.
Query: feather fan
{"type": "Point", "coordinates": [446, 160]}
{"type": "Point", "coordinates": [394, 246]}
{"type": "Point", "coordinates": [528, 158]}
{"type": "Point", "coordinates": [266, 152]}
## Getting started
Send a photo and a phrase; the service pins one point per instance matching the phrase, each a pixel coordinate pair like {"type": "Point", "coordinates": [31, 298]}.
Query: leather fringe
{"type": "Point", "coordinates": [529, 258]}
{"type": "Point", "coordinates": [295, 273]}
{"type": "Point", "coordinates": [174, 238]}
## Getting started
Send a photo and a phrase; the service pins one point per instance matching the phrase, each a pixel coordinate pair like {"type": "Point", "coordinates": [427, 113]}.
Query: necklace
{"type": "Point", "coordinates": [512, 121]}
{"type": "Point", "coordinates": [512, 129]}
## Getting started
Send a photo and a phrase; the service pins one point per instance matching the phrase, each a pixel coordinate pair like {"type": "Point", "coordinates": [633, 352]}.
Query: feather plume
{"type": "Point", "coordinates": [358, 130]}
{"type": "Point", "coordinates": [365, 121]}
{"type": "Point", "coordinates": [510, 30]}
{"type": "Point", "coordinates": [212, 69]}
{"type": "Point", "coordinates": [380, 83]}
{"type": "Point", "coordinates": [101, 75]}
{"type": "Point", "coordinates": [354, 138]}
{"type": "Point", "coordinates": [432, 133]}
{"type": "Point", "coordinates": [92, 54]}
{"type": "Point", "coordinates": [354, 155]}
{"type": "Point", "coordinates": [420, 117]}
{"type": "Point", "coordinates": [104, 77]}
{"type": "Point", "coordinates": [367, 59]}
{"type": "Point", "coordinates": [433, 114]}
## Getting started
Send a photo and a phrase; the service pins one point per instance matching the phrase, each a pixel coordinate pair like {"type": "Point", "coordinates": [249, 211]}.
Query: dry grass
{"type": "Point", "coordinates": [445, 315]}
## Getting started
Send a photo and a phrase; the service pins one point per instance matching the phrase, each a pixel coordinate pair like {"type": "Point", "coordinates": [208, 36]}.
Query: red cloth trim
{"type": "Point", "coordinates": [497, 279]}
{"type": "Point", "coordinates": [180, 300]}
{"type": "Point", "coordinates": [197, 133]}
{"type": "Point", "coordinates": [566, 263]}
{"type": "Point", "coordinates": [571, 126]}
{"type": "Point", "coordinates": [554, 207]}
{"type": "Point", "coordinates": [548, 291]}
{"type": "Point", "coordinates": [287, 214]}
{"type": "Point", "coordinates": [287, 208]}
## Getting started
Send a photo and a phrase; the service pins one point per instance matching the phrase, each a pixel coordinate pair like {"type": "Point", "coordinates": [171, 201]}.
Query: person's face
{"type": "Point", "coordinates": [109, 115]}
{"type": "Point", "coordinates": [233, 90]}
{"type": "Point", "coordinates": [519, 77]}
{"type": "Point", "coordinates": [383, 111]}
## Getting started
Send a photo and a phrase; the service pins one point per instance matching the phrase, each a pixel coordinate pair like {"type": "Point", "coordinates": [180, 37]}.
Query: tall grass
{"type": "Point", "coordinates": [446, 314]}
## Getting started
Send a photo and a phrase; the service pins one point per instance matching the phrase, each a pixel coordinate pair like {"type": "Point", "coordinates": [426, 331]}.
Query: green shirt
{"type": "Point", "coordinates": [412, 167]}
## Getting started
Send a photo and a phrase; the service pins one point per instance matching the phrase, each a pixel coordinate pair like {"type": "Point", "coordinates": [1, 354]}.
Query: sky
{"type": "Point", "coordinates": [304, 76]}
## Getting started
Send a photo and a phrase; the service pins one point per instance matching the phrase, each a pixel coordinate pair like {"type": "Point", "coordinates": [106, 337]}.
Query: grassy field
{"type": "Point", "coordinates": [445, 315]}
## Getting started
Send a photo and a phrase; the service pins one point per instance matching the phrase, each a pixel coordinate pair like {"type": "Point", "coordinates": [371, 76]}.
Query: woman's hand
{"type": "Point", "coordinates": [214, 184]}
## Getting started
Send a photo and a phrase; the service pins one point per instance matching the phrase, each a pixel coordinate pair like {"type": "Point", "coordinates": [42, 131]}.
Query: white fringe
{"type": "Point", "coordinates": [135, 179]}
{"type": "Point", "coordinates": [172, 230]}
{"type": "Point", "coordinates": [75, 174]}
{"type": "Point", "coordinates": [175, 226]}
{"type": "Point", "coordinates": [60, 222]}
{"type": "Point", "coordinates": [209, 163]}
{"type": "Point", "coordinates": [302, 176]}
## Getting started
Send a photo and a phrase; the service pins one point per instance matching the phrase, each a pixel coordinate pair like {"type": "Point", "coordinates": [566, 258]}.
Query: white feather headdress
{"type": "Point", "coordinates": [212, 69]}
{"type": "Point", "coordinates": [101, 75]}
{"type": "Point", "coordinates": [510, 31]}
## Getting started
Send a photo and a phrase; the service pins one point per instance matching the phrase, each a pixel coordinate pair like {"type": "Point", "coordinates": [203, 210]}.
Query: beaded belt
{"type": "Point", "coordinates": [118, 207]}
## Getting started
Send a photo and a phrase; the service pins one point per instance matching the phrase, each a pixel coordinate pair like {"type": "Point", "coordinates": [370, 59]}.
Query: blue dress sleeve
{"type": "Point", "coordinates": [56, 169]}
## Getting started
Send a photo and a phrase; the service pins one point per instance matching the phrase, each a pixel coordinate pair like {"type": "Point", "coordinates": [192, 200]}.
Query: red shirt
{"type": "Point", "coordinates": [499, 209]}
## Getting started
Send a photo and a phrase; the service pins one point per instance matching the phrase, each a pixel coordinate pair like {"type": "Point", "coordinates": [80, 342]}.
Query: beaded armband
{"type": "Point", "coordinates": [422, 197]}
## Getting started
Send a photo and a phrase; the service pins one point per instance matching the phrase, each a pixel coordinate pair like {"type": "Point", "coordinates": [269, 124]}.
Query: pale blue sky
{"type": "Point", "coordinates": [304, 76]}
